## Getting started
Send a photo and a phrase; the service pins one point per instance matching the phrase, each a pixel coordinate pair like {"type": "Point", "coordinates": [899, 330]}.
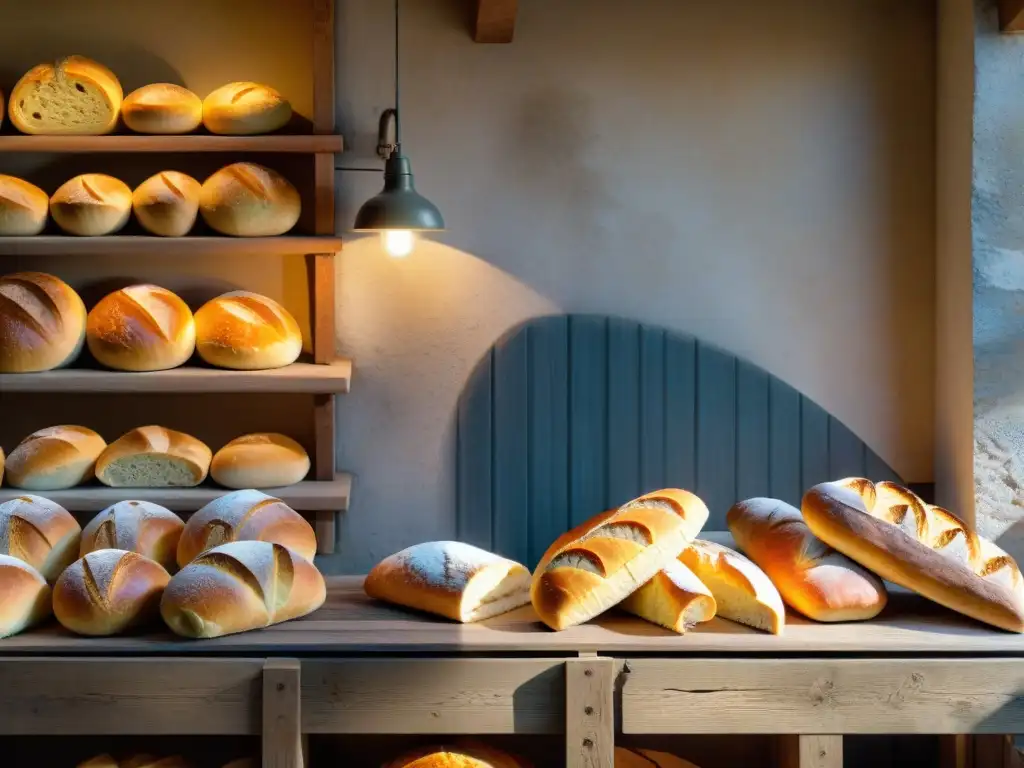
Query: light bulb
{"type": "Point", "coordinates": [397, 242]}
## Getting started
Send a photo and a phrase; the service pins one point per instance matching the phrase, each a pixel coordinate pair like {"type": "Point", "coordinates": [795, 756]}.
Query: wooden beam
{"type": "Point", "coordinates": [811, 751]}
{"type": "Point", "coordinates": [495, 21]}
{"type": "Point", "coordinates": [1011, 15]}
{"type": "Point", "coordinates": [589, 712]}
{"type": "Point", "coordinates": [282, 714]}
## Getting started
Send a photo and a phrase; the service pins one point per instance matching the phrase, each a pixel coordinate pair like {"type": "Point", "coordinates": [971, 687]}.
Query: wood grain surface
{"type": "Point", "coordinates": [282, 714]}
{"type": "Point", "coordinates": [167, 247]}
{"type": "Point", "coordinates": [303, 144]}
{"type": "Point", "coordinates": [590, 712]}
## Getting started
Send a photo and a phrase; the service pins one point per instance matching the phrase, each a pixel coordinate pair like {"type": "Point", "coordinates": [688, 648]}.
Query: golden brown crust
{"type": "Point", "coordinates": [246, 331]}
{"type": "Point", "coordinates": [193, 456]}
{"type": "Point", "coordinates": [260, 460]}
{"type": "Point", "coordinates": [36, 118]}
{"type": "Point", "coordinates": [245, 108]}
{"type": "Point", "coordinates": [42, 322]}
{"type": "Point", "coordinates": [167, 203]}
{"type": "Point", "coordinates": [141, 328]}
{"type": "Point", "coordinates": [23, 207]}
{"type": "Point", "coordinates": [162, 108]}
{"type": "Point", "coordinates": [462, 754]}
{"type": "Point", "coordinates": [92, 204]}
{"type": "Point", "coordinates": [135, 526]}
{"type": "Point", "coordinates": [629, 757]}
{"type": "Point", "coordinates": [26, 596]}
{"type": "Point", "coordinates": [675, 599]}
{"type": "Point", "coordinates": [249, 200]}
{"type": "Point", "coordinates": [55, 458]}
{"type": "Point", "coordinates": [39, 532]}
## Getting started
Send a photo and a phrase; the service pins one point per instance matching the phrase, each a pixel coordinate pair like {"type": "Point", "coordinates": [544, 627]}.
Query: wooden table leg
{"type": "Point", "coordinates": [810, 751]}
{"type": "Point", "coordinates": [282, 714]}
{"type": "Point", "coordinates": [590, 713]}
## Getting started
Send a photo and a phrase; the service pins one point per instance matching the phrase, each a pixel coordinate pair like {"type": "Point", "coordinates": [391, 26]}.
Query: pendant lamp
{"type": "Point", "coordinates": [398, 212]}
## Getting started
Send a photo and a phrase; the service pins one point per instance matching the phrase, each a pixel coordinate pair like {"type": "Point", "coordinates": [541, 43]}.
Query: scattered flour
{"type": "Point", "coordinates": [446, 564]}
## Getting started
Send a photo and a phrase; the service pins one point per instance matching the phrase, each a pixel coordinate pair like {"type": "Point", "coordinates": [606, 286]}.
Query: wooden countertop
{"type": "Point", "coordinates": [351, 623]}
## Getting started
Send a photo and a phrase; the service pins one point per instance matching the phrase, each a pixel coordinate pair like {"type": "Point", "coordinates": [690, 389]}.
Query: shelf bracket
{"type": "Point", "coordinates": [589, 712]}
{"type": "Point", "coordinates": [495, 21]}
{"type": "Point", "coordinates": [282, 714]}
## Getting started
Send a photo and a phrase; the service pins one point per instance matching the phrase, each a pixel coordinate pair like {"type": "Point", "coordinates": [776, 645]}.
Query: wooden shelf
{"type": "Point", "coordinates": [160, 247]}
{"type": "Point", "coordinates": [298, 378]}
{"type": "Point", "coordinates": [309, 496]}
{"type": "Point", "coordinates": [308, 144]}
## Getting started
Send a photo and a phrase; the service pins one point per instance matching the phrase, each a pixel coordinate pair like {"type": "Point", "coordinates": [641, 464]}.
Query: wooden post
{"type": "Point", "coordinates": [589, 712]}
{"type": "Point", "coordinates": [811, 751]}
{"type": "Point", "coordinates": [282, 714]}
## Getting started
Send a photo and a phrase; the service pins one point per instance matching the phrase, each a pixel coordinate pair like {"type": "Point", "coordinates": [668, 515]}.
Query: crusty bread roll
{"type": "Point", "coordinates": [23, 207]}
{"type": "Point", "coordinates": [451, 579]}
{"type": "Point", "coordinates": [244, 108]}
{"type": "Point", "coordinates": [601, 562]}
{"type": "Point", "coordinates": [92, 204]}
{"type": "Point", "coordinates": [246, 331]}
{"type": "Point", "coordinates": [54, 458]}
{"type": "Point", "coordinates": [242, 762]}
{"type": "Point", "coordinates": [73, 95]}
{"type": "Point", "coordinates": [100, 761]}
{"type": "Point", "coordinates": [240, 586]}
{"type": "Point", "coordinates": [628, 757]}
{"type": "Point", "coordinates": [261, 460]}
{"type": "Point", "coordinates": [248, 200]}
{"type": "Point", "coordinates": [167, 204]}
{"type": "Point", "coordinates": [162, 108]}
{"type": "Point", "coordinates": [925, 548]}
{"type": "Point", "coordinates": [136, 761]}
{"type": "Point", "coordinates": [135, 526]}
{"type": "Point", "coordinates": [463, 754]}
{"type": "Point", "coordinates": [675, 599]}
{"type": "Point", "coordinates": [24, 596]}
{"type": "Point", "coordinates": [39, 532]}
{"type": "Point", "coordinates": [247, 515]}
{"type": "Point", "coordinates": [742, 591]}
{"type": "Point", "coordinates": [812, 577]}
{"type": "Point", "coordinates": [108, 591]}
{"type": "Point", "coordinates": [153, 457]}
{"type": "Point", "coordinates": [42, 323]}
{"type": "Point", "coordinates": [141, 328]}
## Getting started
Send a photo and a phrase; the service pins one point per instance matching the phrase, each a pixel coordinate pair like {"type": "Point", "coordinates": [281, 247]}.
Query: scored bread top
{"type": "Point", "coordinates": [55, 457]}
{"type": "Point", "coordinates": [18, 193]}
{"type": "Point", "coordinates": [245, 319]}
{"type": "Point", "coordinates": [135, 526]}
{"type": "Point", "coordinates": [132, 316]}
{"type": "Point", "coordinates": [465, 754]}
{"type": "Point", "coordinates": [167, 188]}
{"type": "Point", "coordinates": [40, 532]}
{"type": "Point", "coordinates": [629, 757]}
{"type": "Point", "coordinates": [93, 189]}
{"type": "Point", "coordinates": [42, 322]}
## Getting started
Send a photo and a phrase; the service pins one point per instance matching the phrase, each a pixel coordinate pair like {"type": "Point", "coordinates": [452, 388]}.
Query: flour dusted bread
{"type": "Point", "coordinates": [743, 592]}
{"type": "Point", "coordinates": [601, 562]}
{"type": "Point", "coordinates": [628, 757]}
{"type": "Point", "coordinates": [246, 331]}
{"type": "Point", "coordinates": [260, 460]}
{"type": "Point", "coordinates": [135, 526]}
{"type": "Point", "coordinates": [245, 108]}
{"type": "Point", "coordinates": [92, 204]}
{"type": "Point", "coordinates": [675, 599]}
{"type": "Point", "coordinates": [141, 328]}
{"type": "Point", "coordinates": [240, 586]}
{"type": "Point", "coordinates": [42, 323]}
{"type": "Point", "coordinates": [249, 200]}
{"type": "Point", "coordinates": [451, 579]}
{"type": "Point", "coordinates": [54, 458]}
{"type": "Point", "coordinates": [74, 95]}
{"type": "Point", "coordinates": [811, 576]}
{"type": "Point", "coordinates": [23, 207]}
{"type": "Point", "coordinates": [24, 596]}
{"type": "Point", "coordinates": [153, 457]}
{"type": "Point", "coordinates": [167, 204]}
{"type": "Point", "coordinates": [162, 108]}
{"type": "Point", "coordinates": [247, 515]}
{"type": "Point", "coordinates": [462, 754]}
{"type": "Point", "coordinates": [40, 533]}
{"type": "Point", "coordinates": [889, 530]}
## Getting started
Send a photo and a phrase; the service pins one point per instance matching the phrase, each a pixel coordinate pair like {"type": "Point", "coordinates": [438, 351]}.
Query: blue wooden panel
{"type": "Point", "coordinates": [623, 412]}
{"type": "Point", "coordinates": [652, 408]}
{"type": "Point", "coordinates": [752, 431]}
{"type": "Point", "coordinates": [784, 442]}
{"type": "Point", "coordinates": [876, 469]}
{"type": "Point", "coordinates": [510, 533]}
{"type": "Point", "coordinates": [588, 416]}
{"type": "Point", "coordinates": [680, 412]}
{"type": "Point", "coordinates": [716, 432]}
{"type": "Point", "coordinates": [473, 463]}
{"type": "Point", "coordinates": [845, 451]}
{"type": "Point", "coordinates": [549, 434]}
{"type": "Point", "coordinates": [813, 444]}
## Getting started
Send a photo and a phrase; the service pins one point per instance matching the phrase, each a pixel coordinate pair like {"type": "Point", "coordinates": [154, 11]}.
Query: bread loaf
{"type": "Point", "coordinates": [141, 328]}
{"type": "Point", "coordinates": [54, 458]}
{"type": "Point", "coordinates": [40, 533]}
{"type": "Point", "coordinates": [108, 591]}
{"type": "Point", "coordinates": [136, 761]}
{"type": "Point", "coordinates": [925, 548]}
{"type": "Point", "coordinates": [74, 95]}
{"type": "Point", "coordinates": [162, 108]}
{"type": "Point", "coordinates": [135, 526]}
{"type": "Point", "coordinates": [248, 200]}
{"type": "Point", "coordinates": [628, 757]}
{"type": "Point", "coordinates": [812, 577]}
{"type": "Point", "coordinates": [24, 596]}
{"type": "Point", "coordinates": [153, 457]}
{"type": "Point", "coordinates": [471, 754]}
{"type": "Point", "coordinates": [742, 591]}
{"type": "Point", "coordinates": [246, 331]}
{"type": "Point", "coordinates": [167, 204]}
{"type": "Point", "coordinates": [451, 579]}
{"type": "Point", "coordinates": [42, 323]}
{"type": "Point", "coordinates": [247, 515]}
{"type": "Point", "coordinates": [675, 599]}
{"type": "Point", "coordinates": [601, 562]}
{"type": "Point", "coordinates": [245, 108]}
{"type": "Point", "coordinates": [100, 761]}
{"type": "Point", "coordinates": [92, 204]}
{"type": "Point", "coordinates": [241, 586]}
{"type": "Point", "coordinates": [262, 460]}
{"type": "Point", "coordinates": [23, 207]}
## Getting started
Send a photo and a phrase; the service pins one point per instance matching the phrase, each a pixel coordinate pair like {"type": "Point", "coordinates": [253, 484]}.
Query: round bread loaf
{"type": "Point", "coordinates": [39, 532]}
{"type": "Point", "coordinates": [42, 323]}
{"type": "Point", "coordinates": [628, 757]}
{"type": "Point", "coordinates": [249, 200]}
{"type": "Point", "coordinates": [23, 207]}
{"type": "Point", "coordinates": [141, 328]}
{"type": "Point", "coordinates": [109, 591]}
{"type": "Point", "coordinates": [247, 332]}
{"type": "Point", "coordinates": [167, 204]}
{"type": "Point", "coordinates": [244, 108]}
{"type": "Point", "coordinates": [55, 458]}
{"type": "Point", "coordinates": [92, 204]}
{"type": "Point", "coordinates": [162, 108]}
{"type": "Point", "coordinates": [135, 526]}
{"type": "Point", "coordinates": [74, 96]}
{"type": "Point", "coordinates": [262, 460]}
{"type": "Point", "coordinates": [26, 596]}
{"type": "Point", "coordinates": [470, 754]}
{"type": "Point", "coordinates": [153, 457]}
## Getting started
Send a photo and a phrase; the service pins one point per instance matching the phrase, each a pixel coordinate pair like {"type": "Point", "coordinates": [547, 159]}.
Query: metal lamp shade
{"type": "Point", "coordinates": [399, 205]}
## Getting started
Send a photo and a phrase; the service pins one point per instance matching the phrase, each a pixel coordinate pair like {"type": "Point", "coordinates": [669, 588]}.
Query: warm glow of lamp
{"type": "Point", "coordinates": [398, 242]}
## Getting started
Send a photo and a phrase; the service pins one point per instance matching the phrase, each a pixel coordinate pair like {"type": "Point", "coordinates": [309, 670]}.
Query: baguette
{"type": "Point", "coordinates": [23, 207]}
{"type": "Point", "coordinates": [162, 108]}
{"type": "Point", "coordinates": [25, 597]}
{"type": "Point", "coordinates": [742, 591]}
{"type": "Point", "coordinates": [153, 457]}
{"type": "Point", "coordinates": [675, 599]}
{"type": "Point", "coordinates": [601, 562]}
{"type": "Point", "coordinates": [54, 458]}
{"type": "Point", "coordinates": [92, 204]}
{"type": "Point", "coordinates": [628, 757]}
{"type": "Point", "coordinates": [889, 530]}
{"type": "Point", "coordinates": [241, 586]}
{"type": "Point", "coordinates": [75, 96]}
{"type": "Point", "coordinates": [39, 532]}
{"type": "Point", "coordinates": [42, 323]}
{"type": "Point", "coordinates": [812, 577]}
{"type": "Point", "coordinates": [458, 581]}
{"type": "Point", "coordinates": [135, 526]}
